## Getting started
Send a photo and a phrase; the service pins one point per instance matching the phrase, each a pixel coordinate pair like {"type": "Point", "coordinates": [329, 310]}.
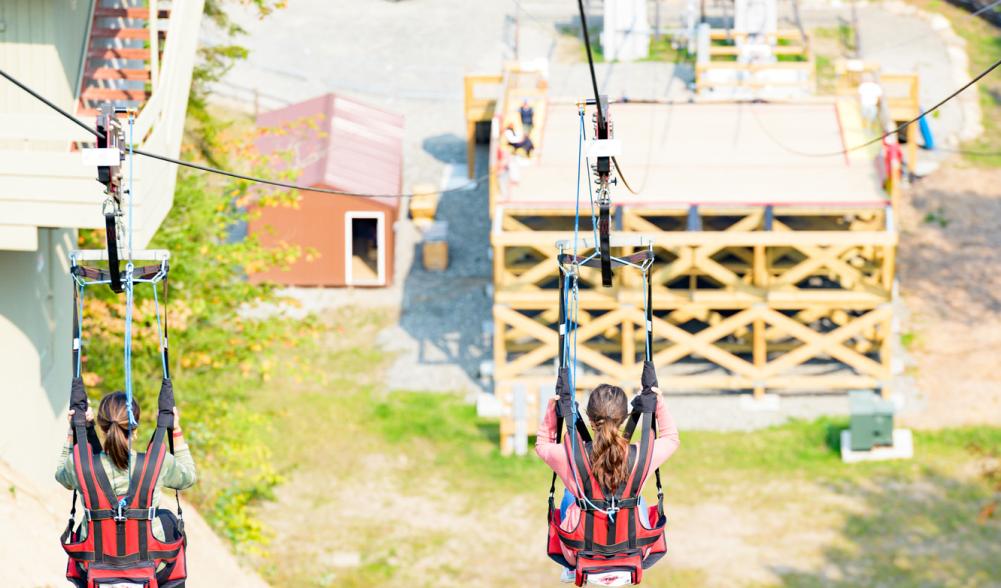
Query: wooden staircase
{"type": "Point", "coordinates": [122, 55]}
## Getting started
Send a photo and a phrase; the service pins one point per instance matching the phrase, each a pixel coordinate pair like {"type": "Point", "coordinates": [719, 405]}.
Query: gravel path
{"type": "Point", "coordinates": [408, 57]}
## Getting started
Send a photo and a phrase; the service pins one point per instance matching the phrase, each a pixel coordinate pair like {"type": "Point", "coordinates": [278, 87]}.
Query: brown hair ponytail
{"type": "Point", "coordinates": [113, 418]}
{"type": "Point", "coordinates": [607, 408]}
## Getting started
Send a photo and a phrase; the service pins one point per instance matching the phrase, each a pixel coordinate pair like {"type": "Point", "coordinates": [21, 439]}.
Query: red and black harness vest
{"type": "Point", "coordinates": [120, 548]}
{"type": "Point", "coordinates": [612, 533]}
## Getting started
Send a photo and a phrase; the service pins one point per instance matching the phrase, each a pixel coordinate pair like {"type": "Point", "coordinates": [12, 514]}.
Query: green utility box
{"type": "Point", "coordinates": [871, 421]}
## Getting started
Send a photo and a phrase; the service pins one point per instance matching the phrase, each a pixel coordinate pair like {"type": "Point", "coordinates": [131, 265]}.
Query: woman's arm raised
{"type": "Point", "coordinates": [546, 446]}
{"type": "Point", "coordinates": [668, 440]}
{"type": "Point", "coordinates": [179, 470]}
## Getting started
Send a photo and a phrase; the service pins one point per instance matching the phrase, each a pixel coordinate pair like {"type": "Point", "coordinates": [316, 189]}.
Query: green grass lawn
{"type": "Point", "coordinates": [413, 488]}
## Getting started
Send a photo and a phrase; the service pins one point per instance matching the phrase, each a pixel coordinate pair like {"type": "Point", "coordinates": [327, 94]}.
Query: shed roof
{"type": "Point", "coordinates": [340, 143]}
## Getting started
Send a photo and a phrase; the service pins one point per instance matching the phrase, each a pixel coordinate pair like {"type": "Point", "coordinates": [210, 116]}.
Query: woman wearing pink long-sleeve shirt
{"type": "Point", "coordinates": [607, 409]}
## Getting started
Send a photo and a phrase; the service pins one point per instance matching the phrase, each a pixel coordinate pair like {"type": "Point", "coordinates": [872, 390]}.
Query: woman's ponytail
{"type": "Point", "coordinates": [607, 408]}
{"type": "Point", "coordinates": [113, 418]}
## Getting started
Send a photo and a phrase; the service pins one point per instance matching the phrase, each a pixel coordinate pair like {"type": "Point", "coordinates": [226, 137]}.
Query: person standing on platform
{"type": "Point", "coordinates": [527, 117]}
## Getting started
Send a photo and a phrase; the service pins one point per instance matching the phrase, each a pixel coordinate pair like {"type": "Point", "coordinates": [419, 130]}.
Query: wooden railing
{"type": "Point", "coordinates": [716, 70]}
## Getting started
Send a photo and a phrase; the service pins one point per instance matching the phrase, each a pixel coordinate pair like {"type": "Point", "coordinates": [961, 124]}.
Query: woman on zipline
{"type": "Point", "coordinates": [607, 409]}
{"type": "Point", "coordinates": [177, 471]}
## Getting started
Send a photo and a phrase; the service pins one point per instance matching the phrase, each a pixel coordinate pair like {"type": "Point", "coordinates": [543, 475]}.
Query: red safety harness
{"type": "Point", "coordinates": [612, 534]}
{"type": "Point", "coordinates": [120, 549]}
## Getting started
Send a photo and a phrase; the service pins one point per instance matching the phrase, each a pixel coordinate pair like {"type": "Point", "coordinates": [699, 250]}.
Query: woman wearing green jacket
{"type": "Point", "coordinates": [177, 472]}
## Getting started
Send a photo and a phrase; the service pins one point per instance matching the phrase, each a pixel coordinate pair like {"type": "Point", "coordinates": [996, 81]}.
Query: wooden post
{"type": "Point", "coordinates": [154, 45]}
{"type": "Point", "coordinates": [759, 344]}
{"type": "Point", "coordinates": [912, 148]}
{"type": "Point", "coordinates": [520, 420]}
{"type": "Point", "coordinates": [471, 147]}
{"type": "Point", "coordinates": [893, 185]}
{"type": "Point", "coordinates": [546, 391]}
{"type": "Point", "coordinates": [889, 267]}
{"type": "Point", "coordinates": [500, 350]}
{"type": "Point", "coordinates": [628, 333]}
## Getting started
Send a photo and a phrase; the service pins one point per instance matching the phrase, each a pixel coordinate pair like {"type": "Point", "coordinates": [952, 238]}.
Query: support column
{"type": "Point", "coordinates": [471, 147]}
{"type": "Point", "coordinates": [759, 344]}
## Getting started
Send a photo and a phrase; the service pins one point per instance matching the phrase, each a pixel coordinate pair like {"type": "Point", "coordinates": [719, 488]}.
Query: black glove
{"type": "Point", "coordinates": [646, 401]}
{"type": "Point", "coordinates": [649, 378]}
{"type": "Point", "coordinates": [564, 392]}
{"type": "Point", "coordinates": [78, 402]}
{"type": "Point", "coordinates": [165, 417]}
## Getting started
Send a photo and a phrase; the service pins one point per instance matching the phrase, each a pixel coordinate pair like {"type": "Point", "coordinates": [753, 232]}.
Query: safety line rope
{"type": "Point", "coordinates": [571, 302]}
{"type": "Point", "coordinates": [130, 303]}
{"type": "Point", "coordinates": [590, 63]}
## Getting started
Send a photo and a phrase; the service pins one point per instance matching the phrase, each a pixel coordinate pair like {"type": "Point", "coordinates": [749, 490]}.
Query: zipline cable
{"type": "Point", "coordinates": [205, 168]}
{"type": "Point", "coordinates": [597, 97]}
{"type": "Point", "coordinates": [878, 139]}
{"type": "Point", "coordinates": [590, 63]}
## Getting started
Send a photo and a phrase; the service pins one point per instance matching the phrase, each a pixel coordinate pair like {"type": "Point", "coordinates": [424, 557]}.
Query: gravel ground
{"type": "Point", "coordinates": [949, 239]}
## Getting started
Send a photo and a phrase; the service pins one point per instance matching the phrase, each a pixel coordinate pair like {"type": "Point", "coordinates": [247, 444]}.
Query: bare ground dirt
{"type": "Point", "coordinates": [950, 278]}
{"type": "Point", "coordinates": [33, 517]}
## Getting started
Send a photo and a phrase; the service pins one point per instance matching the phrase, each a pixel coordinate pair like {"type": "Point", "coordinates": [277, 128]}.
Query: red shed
{"type": "Point", "coordinates": [342, 144]}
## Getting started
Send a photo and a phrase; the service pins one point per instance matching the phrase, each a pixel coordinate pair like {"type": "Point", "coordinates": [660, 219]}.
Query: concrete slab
{"type": "Point", "coordinates": [902, 448]}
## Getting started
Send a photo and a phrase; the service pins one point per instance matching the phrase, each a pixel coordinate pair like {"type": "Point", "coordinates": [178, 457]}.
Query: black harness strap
{"type": "Point", "coordinates": [142, 515]}
{"type": "Point", "coordinates": [584, 475]}
{"type": "Point", "coordinates": [166, 346]}
{"type": "Point", "coordinates": [86, 468]}
{"type": "Point", "coordinates": [167, 382]}
{"type": "Point", "coordinates": [604, 244]}
{"type": "Point", "coordinates": [614, 549]}
{"type": "Point", "coordinates": [114, 269]}
{"type": "Point", "coordinates": [143, 272]}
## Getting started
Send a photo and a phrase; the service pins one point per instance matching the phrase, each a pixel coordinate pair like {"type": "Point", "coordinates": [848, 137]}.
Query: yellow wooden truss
{"type": "Point", "coordinates": [788, 299]}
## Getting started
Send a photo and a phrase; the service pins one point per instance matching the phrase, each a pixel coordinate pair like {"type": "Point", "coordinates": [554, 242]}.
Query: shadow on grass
{"type": "Point", "coordinates": [919, 532]}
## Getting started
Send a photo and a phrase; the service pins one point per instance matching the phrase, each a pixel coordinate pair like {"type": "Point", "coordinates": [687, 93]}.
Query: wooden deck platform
{"type": "Point", "coordinates": [774, 269]}
{"type": "Point", "coordinates": [706, 154]}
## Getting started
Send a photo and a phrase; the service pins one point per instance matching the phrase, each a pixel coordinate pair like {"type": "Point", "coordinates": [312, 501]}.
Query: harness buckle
{"type": "Point", "coordinates": [151, 513]}
{"type": "Point", "coordinates": [613, 507]}
{"type": "Point", "coordinates": [120, 513]}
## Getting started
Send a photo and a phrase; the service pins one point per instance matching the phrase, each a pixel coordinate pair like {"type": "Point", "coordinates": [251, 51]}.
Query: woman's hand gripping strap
{"type": "Point", "coordinates": [165, 419]}
{"type": "Point", "coordinates": [78, 402]}
{"type": "Point", "coordinates": [165, 414]}
{"type": "Point", "coordinates": [562, 408]}
{"type": "Point", "coordinates": [646, 401]}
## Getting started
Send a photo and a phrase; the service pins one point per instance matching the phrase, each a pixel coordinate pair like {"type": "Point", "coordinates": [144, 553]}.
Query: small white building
{"type": "Point", "coordinates": [626, 34]}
